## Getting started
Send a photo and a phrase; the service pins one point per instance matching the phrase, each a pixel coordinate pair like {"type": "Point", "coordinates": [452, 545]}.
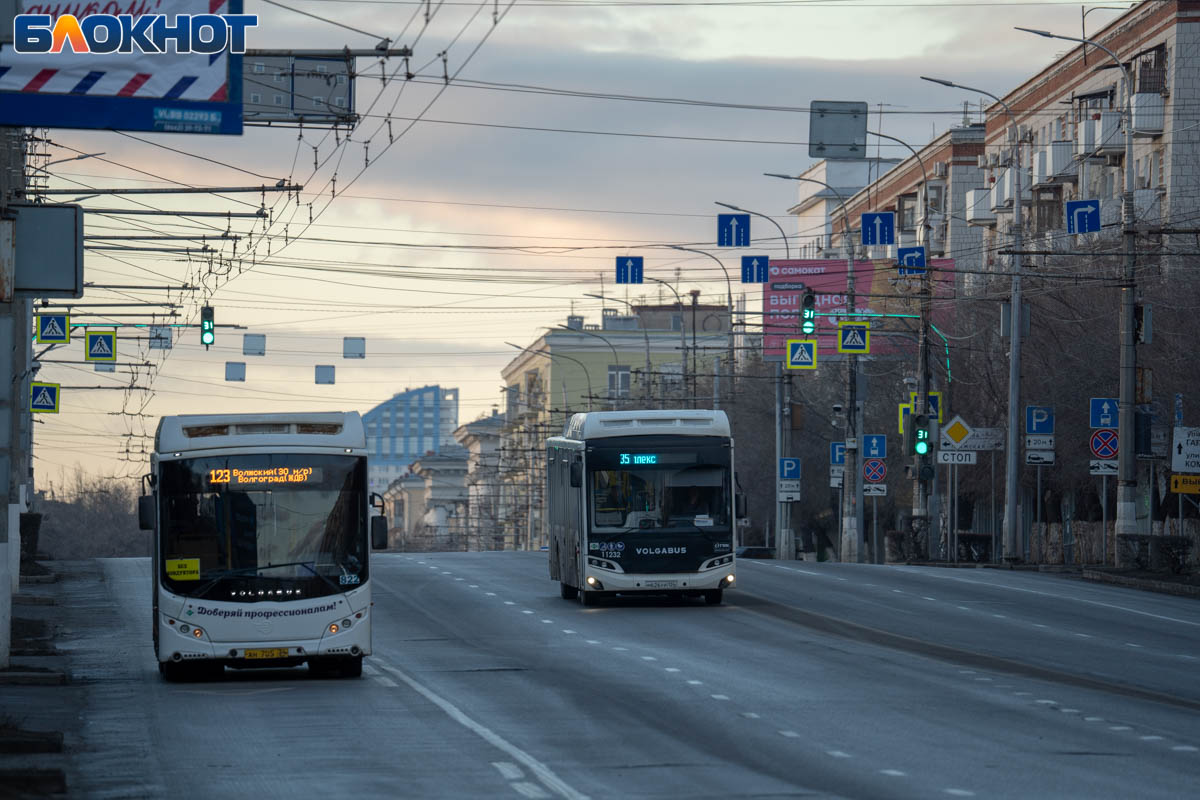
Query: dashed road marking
{"type": "Point", "coordinates": [543, 773]}
{"type": "Point", "coordinates": [985, 680]}
{"type": "Point", "coordinates": [1131, 644]}
{"type": "Point", "coordinates": [530, 790]}
{"type": "Point", "coordinates": [1084, 635]}
{"type": "Point", "coordinates": [750, 715]}
{"type": "Point", "coordinates": [460, 579]}
{"type": "Point", "coordinates": [999, 616]}
{"type": "Point", "coordinates": [931, 599]}
{"type": "Point", "coordinates": [1040, 625]}
{"type": "Point", "coordinates": [491, 594]}
{"type": "Point", "coordinates": [672, 669]}
{"type": "Point", "coordinates": [719, 696]}
{"type": "Point", "coordinates": [649, 658]}
{"type": "Point", "coordinates": [1184, 748]}
{"type": "Point", "coordinates": [547, 622]}
{"type": "Point", "coordinates": [567, 630]}
{"type": "Point", "coordinates": [508, 770]}
{"type": "Point", "coordinates": [593, 641]}
{"type": "Point", "coordinates": [895, 773]}
{"type": "Point", "coordinates": [695, 683]}
{"type": "Point", "coordinates": [959, 792]}
{"type": "Point", "coordinates": [621, 649]}
{"type": "Point", "coordinates": [1119, 728]}
{"type": "Point", "coordinates": [526, 611]}
{"type": "Point", "coordinates": [384, 680]}
{"type": "Point", "coordinates": [1093, 719]}
{"type": "Point", "coordinates": [789, 734]}
{"type": "Point", "coordinates": [1047, 702]}
{"type": "Point", "coordinates": [837, 754]}
{"type": "Point", "coordinates": [1151, 738]}
{"type": "Point", "coordinates": [966, 672]}
{"type": "Point", "coordinates": [1069, 710]}
{"type": "Point", "coordinates": [1023, 694]}
{"type": "Point", "coordinates": [473, 585]}
{"type": "Point", "coordinates": [962, 608]}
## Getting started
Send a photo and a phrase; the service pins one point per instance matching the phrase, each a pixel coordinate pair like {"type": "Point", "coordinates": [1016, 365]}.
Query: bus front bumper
{"type": "Point", "coordinates": [603, 580]}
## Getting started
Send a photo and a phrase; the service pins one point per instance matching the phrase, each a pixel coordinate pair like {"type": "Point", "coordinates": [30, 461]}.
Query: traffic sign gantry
{"type": "Point", "coordinates": [1104, 443]}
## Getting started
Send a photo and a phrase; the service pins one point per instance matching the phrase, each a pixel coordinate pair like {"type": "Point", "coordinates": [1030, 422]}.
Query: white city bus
{"type": "Point", "coordinates": [260, 546]}
{"type": "Point", "coordinates": [642, 502]}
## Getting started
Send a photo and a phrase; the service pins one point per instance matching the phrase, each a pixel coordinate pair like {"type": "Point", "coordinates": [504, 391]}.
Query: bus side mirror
{"type": "Point", "coordinates": [739, 505]}
{"type": "Point", "coordinates": [379, 533]}
{"type": "Point", "coordinates": [576, 474]}
{"type": "Point", "coordinates": [146, 512]}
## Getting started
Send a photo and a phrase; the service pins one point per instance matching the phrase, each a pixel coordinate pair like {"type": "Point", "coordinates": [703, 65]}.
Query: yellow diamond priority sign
{"type": "Point", "coordinates": [957, 431]}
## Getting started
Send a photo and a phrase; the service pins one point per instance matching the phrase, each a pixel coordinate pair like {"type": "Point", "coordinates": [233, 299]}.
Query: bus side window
{"type": "Point", "coordinates": [576, 474]}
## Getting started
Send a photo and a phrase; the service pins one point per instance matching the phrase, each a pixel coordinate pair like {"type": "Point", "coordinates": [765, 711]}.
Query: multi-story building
{"type": "Point", "coordinates": [818, 209]}
{"type": "Point", "coordinates": [411, 424]}
{"type": "Point", "coordinates": [480, 519]}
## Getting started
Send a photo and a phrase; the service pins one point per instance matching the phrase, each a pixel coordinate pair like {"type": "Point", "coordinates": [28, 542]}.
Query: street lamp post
{"type": "Point", "coordinates": [682, 339]}
{"type": "Point", "coordinates": [783, 236]}
{"type": "Point", "coordinates": [1126, 522]}
{"type": "Point", "coordinates": [1011, 523]}
{"type": "Point", "coordinates": [850, 547]}
{"type": "Point", "coordinates": [728, 301]}
{"type": "Point", "coordinates": [641, 324]}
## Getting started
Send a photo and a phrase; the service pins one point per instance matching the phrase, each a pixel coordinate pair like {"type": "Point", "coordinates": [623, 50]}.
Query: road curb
{"type": "Point", "coordinates": [1165, 587]}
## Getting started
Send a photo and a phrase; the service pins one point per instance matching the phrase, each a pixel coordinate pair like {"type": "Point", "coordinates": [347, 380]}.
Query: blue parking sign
{"type": "Point", "coordinates": [837, 453]}
{"type": "Point", "coordinates": [789, 469]}
{"type": "Point", "coordinates": [1039, 419]}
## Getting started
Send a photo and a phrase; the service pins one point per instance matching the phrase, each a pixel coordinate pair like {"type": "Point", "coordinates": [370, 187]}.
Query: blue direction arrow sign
{"type": "Point", "coordinates": [754, 269]}
{"type": "Point", "coordinates": [789, 469]}
{"type": "Point", "coordinates": [1039, 419]}
{"type": "Point", "coordinates": [837, 453]}
{"type": "Point", "coordinates": [879, 228]}
{"type": "Point", "coordinates": [1083, 216]}
{"type": "Point", "coordinates": [733, 230]}
{"type": "Point", "coordinates": [854, 337]}
{"type": "Point", "coordinates": [43, 397]}
{"type": "Point", "coordinates": [1104, 413]}
{"type": "Point", "coordinates": [874, 445]}
{"type": "Point", "coordinates": [53, 329]}
{"type": "Point", "coordinates": [911, 260]}
{"type": "Point", "coordinates": [629, 269]}
{"type": "Point", "coordinates": [801, 353]}
{"type": "Point", "coordinates": [100, 346]}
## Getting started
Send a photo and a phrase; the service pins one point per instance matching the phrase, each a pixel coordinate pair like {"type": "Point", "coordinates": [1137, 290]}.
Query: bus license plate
{"type": "Point", "coordinates": [269, 652]}
{"type": "Point", "coordinates": [661, 584]}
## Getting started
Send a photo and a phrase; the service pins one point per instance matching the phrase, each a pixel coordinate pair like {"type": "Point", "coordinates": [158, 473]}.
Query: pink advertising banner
{"type": "Point", "coordinates": [878, 289]}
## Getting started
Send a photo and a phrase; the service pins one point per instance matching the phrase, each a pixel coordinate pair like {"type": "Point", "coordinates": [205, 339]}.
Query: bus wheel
{"type": "Point", "coordinates": [589, 598]}
{"type": "Point", "coordinates": [351, 667]}
{"type": "Point", "coordinates": [176, 671]}
{"type": "Point", "coordinates": [567, 592]}
{"type": "Point", "coordinates": [713, 596]}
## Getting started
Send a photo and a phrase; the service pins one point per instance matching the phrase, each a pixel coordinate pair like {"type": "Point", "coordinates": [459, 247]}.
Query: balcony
{"type": "Point", "coordinates": [1060, 164]}
{"type": "Point", "coordinates": [1148, 114]}
{"type": "Point", "coordinates": [979, 209]}
{"type": "Point", "coordinates": [1109, 136]}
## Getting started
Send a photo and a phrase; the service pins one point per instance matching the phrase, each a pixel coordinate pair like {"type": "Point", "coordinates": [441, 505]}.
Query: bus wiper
{"type": "Point", "coordinates": [229, 573]}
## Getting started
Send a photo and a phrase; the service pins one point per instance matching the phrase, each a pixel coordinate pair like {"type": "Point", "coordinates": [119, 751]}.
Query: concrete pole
{"type": "Point", "coordinates": [11, 345]}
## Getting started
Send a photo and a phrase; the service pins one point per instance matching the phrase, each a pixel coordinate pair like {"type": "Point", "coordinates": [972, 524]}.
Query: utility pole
{"type": "Point", "coordinates": [851, 548]}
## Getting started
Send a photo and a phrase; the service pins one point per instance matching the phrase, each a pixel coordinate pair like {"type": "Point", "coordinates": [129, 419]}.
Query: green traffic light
{"type": "Point", "coordinates": [808, 326]}
{"type": "Point", "coordinates": [921, 448]}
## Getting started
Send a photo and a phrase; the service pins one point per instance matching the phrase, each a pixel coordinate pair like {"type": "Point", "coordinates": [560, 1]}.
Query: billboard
{"type": "Point", "coordinates": [878, 289]}
{"type": "Point", "coordinates": [98, 66]}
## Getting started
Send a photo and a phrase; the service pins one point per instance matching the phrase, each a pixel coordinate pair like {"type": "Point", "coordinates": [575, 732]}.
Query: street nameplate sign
{"type": "Point", "coordinates": [1185, 484]}
{"type": "Point", "coordinates": [956, 457]}
{"type": "Point", "coordinates": [980, 439]}
{"type": "Point", "coordinates": [1039, 442]}
{"type": "Point", "coordinates": [1104, 466]}
{"type": "Point", "coordinates": [1039, 457]}
{"type": "Point", "coordinates": [875, 490]}
{"type": "Point", "coordinates": [1185, 450]}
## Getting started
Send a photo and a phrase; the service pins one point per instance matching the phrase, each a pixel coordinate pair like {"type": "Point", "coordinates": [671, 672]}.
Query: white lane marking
{"type": "Point", "coordinates": [806, 572]}
{"type": "Point", "coordinates": [473, 585]}
{"type": "Point", "coordinates": [459, 579]}
{"type": "Point", "coordinates": [789, 734]}
{"type": "Point", "coordinates": [1069, 710]}
{"type": "Point", "coordinates": [695, 683]}
{"type": "Point", "coordinates": [672, 669]}
{"type": "Point", "coordinates": [543, 773]}
{"type": "Point", "coordinates": [1151, 738]}
{"type": "Point", "coordinates": [749, 715]}
{"type": "Point", "coordinates": [837, 754]}
{"type": "Point", "coordinates": [962, 608]}
{"type": "Point", "coordinates": [367, 668]}
{"type": "Point", "coordinates": [719, 696]}
{"type": "Point", "coordinates": [898, 591]}
{"type": "Point", "coordinates": [1023, 694]}
{"type": "Point", "coordinates": [999, 616]}
{"type": "Point", "coordinates": [1189, 658]}
{"type": "Point", "coordinates": [931, 599]}
{"type": "Point", "coordinates": [1040, 625]}
{"type": "Point", "coordinates": [986, 680]}
{"type": "Point", "coordinates": [526, 611]}
{"type": "Point", "coordinates": [530, 790]}
{"type": "Point", "coordinates": [491, 594]}
{"type": "Point", "coordinates": [509, 603]}
{"type": "Point", "coordinates": [548, 621]}
{"type": "Point", "coordinates": [649, 658]}
{"type": "Point", "coordinates": [843, 579]}
{"type": "Point", "coordinates": [567, 630]}
{"type": "Point", "coordinates": [1184, 748]}
{"type": "Point", "coordinates": [508, 770]}
{"type": "Point", "coordinates": [447, 573]}
{"type": "Point", "coordinates": [384, 680]}
{"type": "Point", "coordinates": [1093, 719]}
{"type": "Point", "coordinates": [1084, 635]}
{"type": "Point", "coordinates": [621, 649]}
{"type": "Point", "coordinates": [966, 672]}
{"type": "Point", "coordinates": [1047, 702]}
{"type": "Point", "coordinates": [895, 773]}
{"type": "Point", "coordinates": [1068, 597]}
{"type": "Point", "coordinates": [1131, 644]}
{"type": "Point", "coordinates": [1119, 728]}
{"type": "Point", "coordinates": [959, 792]}
{"type": "Point", "coordinates": [593, 641]}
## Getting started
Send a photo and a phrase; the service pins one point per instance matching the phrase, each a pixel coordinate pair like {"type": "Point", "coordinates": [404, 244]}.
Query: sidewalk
{"type": "Point", "coordinates": [39, 708]}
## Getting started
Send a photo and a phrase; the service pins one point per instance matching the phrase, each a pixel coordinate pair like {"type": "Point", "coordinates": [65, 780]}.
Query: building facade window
{"type": "Point", "coordinates": [618, 380]}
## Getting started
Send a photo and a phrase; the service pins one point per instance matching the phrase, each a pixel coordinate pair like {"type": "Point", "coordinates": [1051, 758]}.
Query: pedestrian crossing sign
{"type": "Point", "coordinates": [53, 329]}
{"type": "Point", "coordinates": [854, 337]}
{"type": "Point", "coordinates": [801, 353]}
{"type": "Point", "coordinates": [43, 397]}
{"type": "Point", "coordinates": [100, 346]}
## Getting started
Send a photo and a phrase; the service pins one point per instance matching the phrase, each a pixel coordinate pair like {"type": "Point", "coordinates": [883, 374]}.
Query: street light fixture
{"type": "Point", "coordinates": [783, 236]}
{"type": "Point", "coordinates": [1011, 552]}
{"type": "Point", "coordinates": [1126, 522]}
{"type": "Point", "coordinates": [728, 296]}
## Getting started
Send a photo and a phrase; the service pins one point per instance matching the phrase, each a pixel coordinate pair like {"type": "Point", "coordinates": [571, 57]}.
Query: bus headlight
{"type": "Point", "coordinates": [345, 623]}
{"type": "Point", "coordinates": [184, 628]}
{"type": "Point", "coordinates": [729, 579]}
{"type": "Point", "coordinates": [591, 581]}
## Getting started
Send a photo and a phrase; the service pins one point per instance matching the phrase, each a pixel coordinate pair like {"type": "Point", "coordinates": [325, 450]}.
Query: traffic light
{"type": "Point", "coordinates": [920, 434]}
{"type": "Point", "coordinates": [207, 328]}
{"type": "Point", "coordinates": [808, 313]}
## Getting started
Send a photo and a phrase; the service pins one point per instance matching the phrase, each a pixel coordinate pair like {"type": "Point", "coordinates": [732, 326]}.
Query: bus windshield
{"type": "Point", "coordinates": [659, 490]}
{"type": "Point", "coordinates": [248, 528]}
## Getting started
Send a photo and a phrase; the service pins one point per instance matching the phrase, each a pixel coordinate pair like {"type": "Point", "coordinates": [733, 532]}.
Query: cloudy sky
{"type": "Point", "coordinates": [541, 160]}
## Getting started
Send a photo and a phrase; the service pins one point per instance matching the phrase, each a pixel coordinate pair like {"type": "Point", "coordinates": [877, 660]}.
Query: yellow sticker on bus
{"type": "Point", "coordinates": [183, 569]}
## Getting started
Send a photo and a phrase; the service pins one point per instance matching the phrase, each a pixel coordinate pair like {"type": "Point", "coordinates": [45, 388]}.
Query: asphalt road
{"type": "Point", "coordinates": [813, 680]}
